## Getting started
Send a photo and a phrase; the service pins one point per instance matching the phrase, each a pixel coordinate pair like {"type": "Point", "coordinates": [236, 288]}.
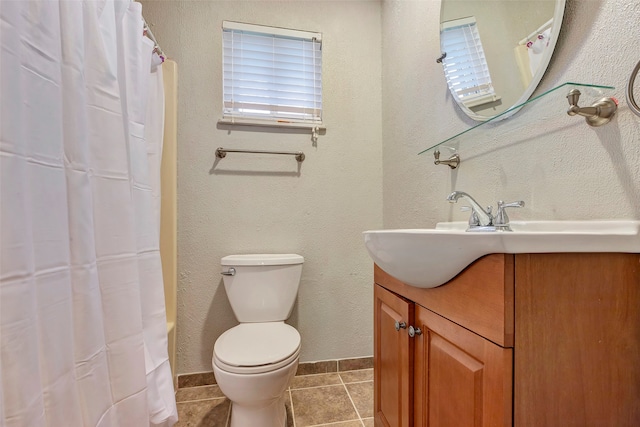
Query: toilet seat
{"type": "Point", "coordinates": [252, 348]}
{"type": "Point", "coordinates": [262, 369]}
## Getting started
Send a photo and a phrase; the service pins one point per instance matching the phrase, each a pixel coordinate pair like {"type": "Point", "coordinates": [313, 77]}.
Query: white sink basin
{"type": "Point", "coordinates": [427, 258]}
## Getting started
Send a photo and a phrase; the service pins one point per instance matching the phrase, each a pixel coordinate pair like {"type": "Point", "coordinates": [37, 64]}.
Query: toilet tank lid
{"type": "Point", "coordinates": [262, 259]}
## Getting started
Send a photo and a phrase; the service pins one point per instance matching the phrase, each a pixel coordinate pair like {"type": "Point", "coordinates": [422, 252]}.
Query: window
{"type": "Point", "coordinates": [465, 65]}
{"type": "Point", "coordinates": [271, 75]}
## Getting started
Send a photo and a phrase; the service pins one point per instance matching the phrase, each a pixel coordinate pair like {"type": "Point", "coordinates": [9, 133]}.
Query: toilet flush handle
{"type": "Point", "coordinates": [230, 272]}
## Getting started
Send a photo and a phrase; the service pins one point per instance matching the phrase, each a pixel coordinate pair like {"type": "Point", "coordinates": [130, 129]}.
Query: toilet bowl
{"type": "Point", "coordinates": [252, 375]}
{"type": "Point", "coordinates": [255, 361]}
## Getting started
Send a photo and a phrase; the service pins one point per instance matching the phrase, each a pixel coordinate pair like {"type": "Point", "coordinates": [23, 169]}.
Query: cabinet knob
{"type": "Point", "coordinates": [400, 325]}
{"type": "Point", "coordinates": [414, 331]}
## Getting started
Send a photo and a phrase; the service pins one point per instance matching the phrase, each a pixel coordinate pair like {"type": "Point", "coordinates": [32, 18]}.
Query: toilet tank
{"type": "Point", "coordinates": [264, 286]}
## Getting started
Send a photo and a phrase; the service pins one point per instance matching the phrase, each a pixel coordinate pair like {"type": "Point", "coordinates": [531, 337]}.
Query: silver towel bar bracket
{"type": "Point", "coordinates": [221, 153]}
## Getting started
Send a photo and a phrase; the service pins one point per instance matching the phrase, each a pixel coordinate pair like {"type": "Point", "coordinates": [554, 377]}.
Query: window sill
{"type": "Point", "coordinates": [315, 127]}
{"type": "Point", "coordinates": [481, 100]}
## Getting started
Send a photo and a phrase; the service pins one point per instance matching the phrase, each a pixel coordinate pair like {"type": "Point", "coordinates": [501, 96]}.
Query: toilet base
{"type": "Point", "coordinates": [257, 400]}
{"type": "Point", "coordinates": [273, 415]}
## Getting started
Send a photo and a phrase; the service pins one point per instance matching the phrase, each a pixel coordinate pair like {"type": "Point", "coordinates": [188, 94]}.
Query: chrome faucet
{"type": "Point", "coordinates": [484, 216]}
{"type": "Point", "coordinates": [481, 219]}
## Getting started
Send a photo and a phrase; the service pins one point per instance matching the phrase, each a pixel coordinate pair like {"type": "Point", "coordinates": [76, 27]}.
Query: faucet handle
{"type": "Point", "coordinates": [474, 221]}
{"type": "Point", "coordinates": [502, 219]}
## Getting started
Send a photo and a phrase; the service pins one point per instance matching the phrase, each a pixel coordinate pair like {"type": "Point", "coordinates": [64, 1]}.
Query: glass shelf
{"type": "Point", "coordinates": [515, 107]}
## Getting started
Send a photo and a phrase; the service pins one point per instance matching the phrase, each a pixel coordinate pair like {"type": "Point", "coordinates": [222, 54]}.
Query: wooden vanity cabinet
{"type": "Point", "coordinates": [445, 375]}
{"type": "Point", "coordinates": [577, 343]}
{"type": "Point", "coordinates": [525, 340]}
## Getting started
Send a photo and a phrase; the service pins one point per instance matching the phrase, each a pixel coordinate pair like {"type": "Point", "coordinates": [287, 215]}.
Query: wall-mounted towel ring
{"type": "Point", "coordinates": [631, 99]}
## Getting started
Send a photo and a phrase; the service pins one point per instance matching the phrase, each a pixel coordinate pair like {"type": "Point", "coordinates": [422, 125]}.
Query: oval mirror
{"type": "Point", "coordinates": [495, 52]}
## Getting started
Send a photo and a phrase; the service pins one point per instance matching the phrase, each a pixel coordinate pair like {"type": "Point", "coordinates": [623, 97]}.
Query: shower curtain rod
{"type": "Point", "coordinates": [538, 31]}
{"type": "Point", "coordinates": [157, 49]}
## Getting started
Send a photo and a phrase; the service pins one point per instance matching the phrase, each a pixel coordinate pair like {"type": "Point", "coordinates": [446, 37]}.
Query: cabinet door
{"type": "Point", "coordinates": [461, 379]}
{"type": "Point", "coordinates": [392, 360]}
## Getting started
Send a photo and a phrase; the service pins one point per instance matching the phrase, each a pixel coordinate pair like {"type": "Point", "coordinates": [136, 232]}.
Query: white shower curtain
{"type": "Point", "coordinates": [82, 319]}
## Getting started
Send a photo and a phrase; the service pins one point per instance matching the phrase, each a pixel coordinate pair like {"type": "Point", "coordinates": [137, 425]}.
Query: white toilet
{"type": "Point", "coordinates": [255, 361]}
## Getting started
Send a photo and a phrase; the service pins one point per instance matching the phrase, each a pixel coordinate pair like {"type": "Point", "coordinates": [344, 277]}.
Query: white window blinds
{"type": "Point", "coordinates": [465, 65]}
{"type": "Point", "coordinates": [272, 74]}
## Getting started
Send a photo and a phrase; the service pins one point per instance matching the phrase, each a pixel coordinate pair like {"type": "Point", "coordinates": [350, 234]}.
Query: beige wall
{"type": "Point", "coordinates": [252, 203]}
{"type": "Point", "coordinates": [562, 168]}
{"type": "Point", "coordinates": [559, 166]}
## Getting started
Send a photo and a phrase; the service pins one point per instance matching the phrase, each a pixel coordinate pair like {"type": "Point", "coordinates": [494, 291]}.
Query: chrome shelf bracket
{"type": "Point", "coordinates": [453, 162]}
{"type": "Point", "coordinates": [600, 113]}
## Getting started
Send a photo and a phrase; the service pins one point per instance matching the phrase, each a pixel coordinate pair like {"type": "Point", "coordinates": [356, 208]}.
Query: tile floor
{"type": "Point", "coordinates": [336, 399]}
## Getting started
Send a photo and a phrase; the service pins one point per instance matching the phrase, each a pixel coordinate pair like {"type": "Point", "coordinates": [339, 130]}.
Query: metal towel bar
{"type": "Point", "coordinates": [221, 153]}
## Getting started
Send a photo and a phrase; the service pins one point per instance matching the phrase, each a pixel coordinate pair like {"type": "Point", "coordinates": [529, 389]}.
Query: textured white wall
{"type": "Point", "coordinates": [559, 166]}
{"type": "Point", "coordinates": [256, 203]}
